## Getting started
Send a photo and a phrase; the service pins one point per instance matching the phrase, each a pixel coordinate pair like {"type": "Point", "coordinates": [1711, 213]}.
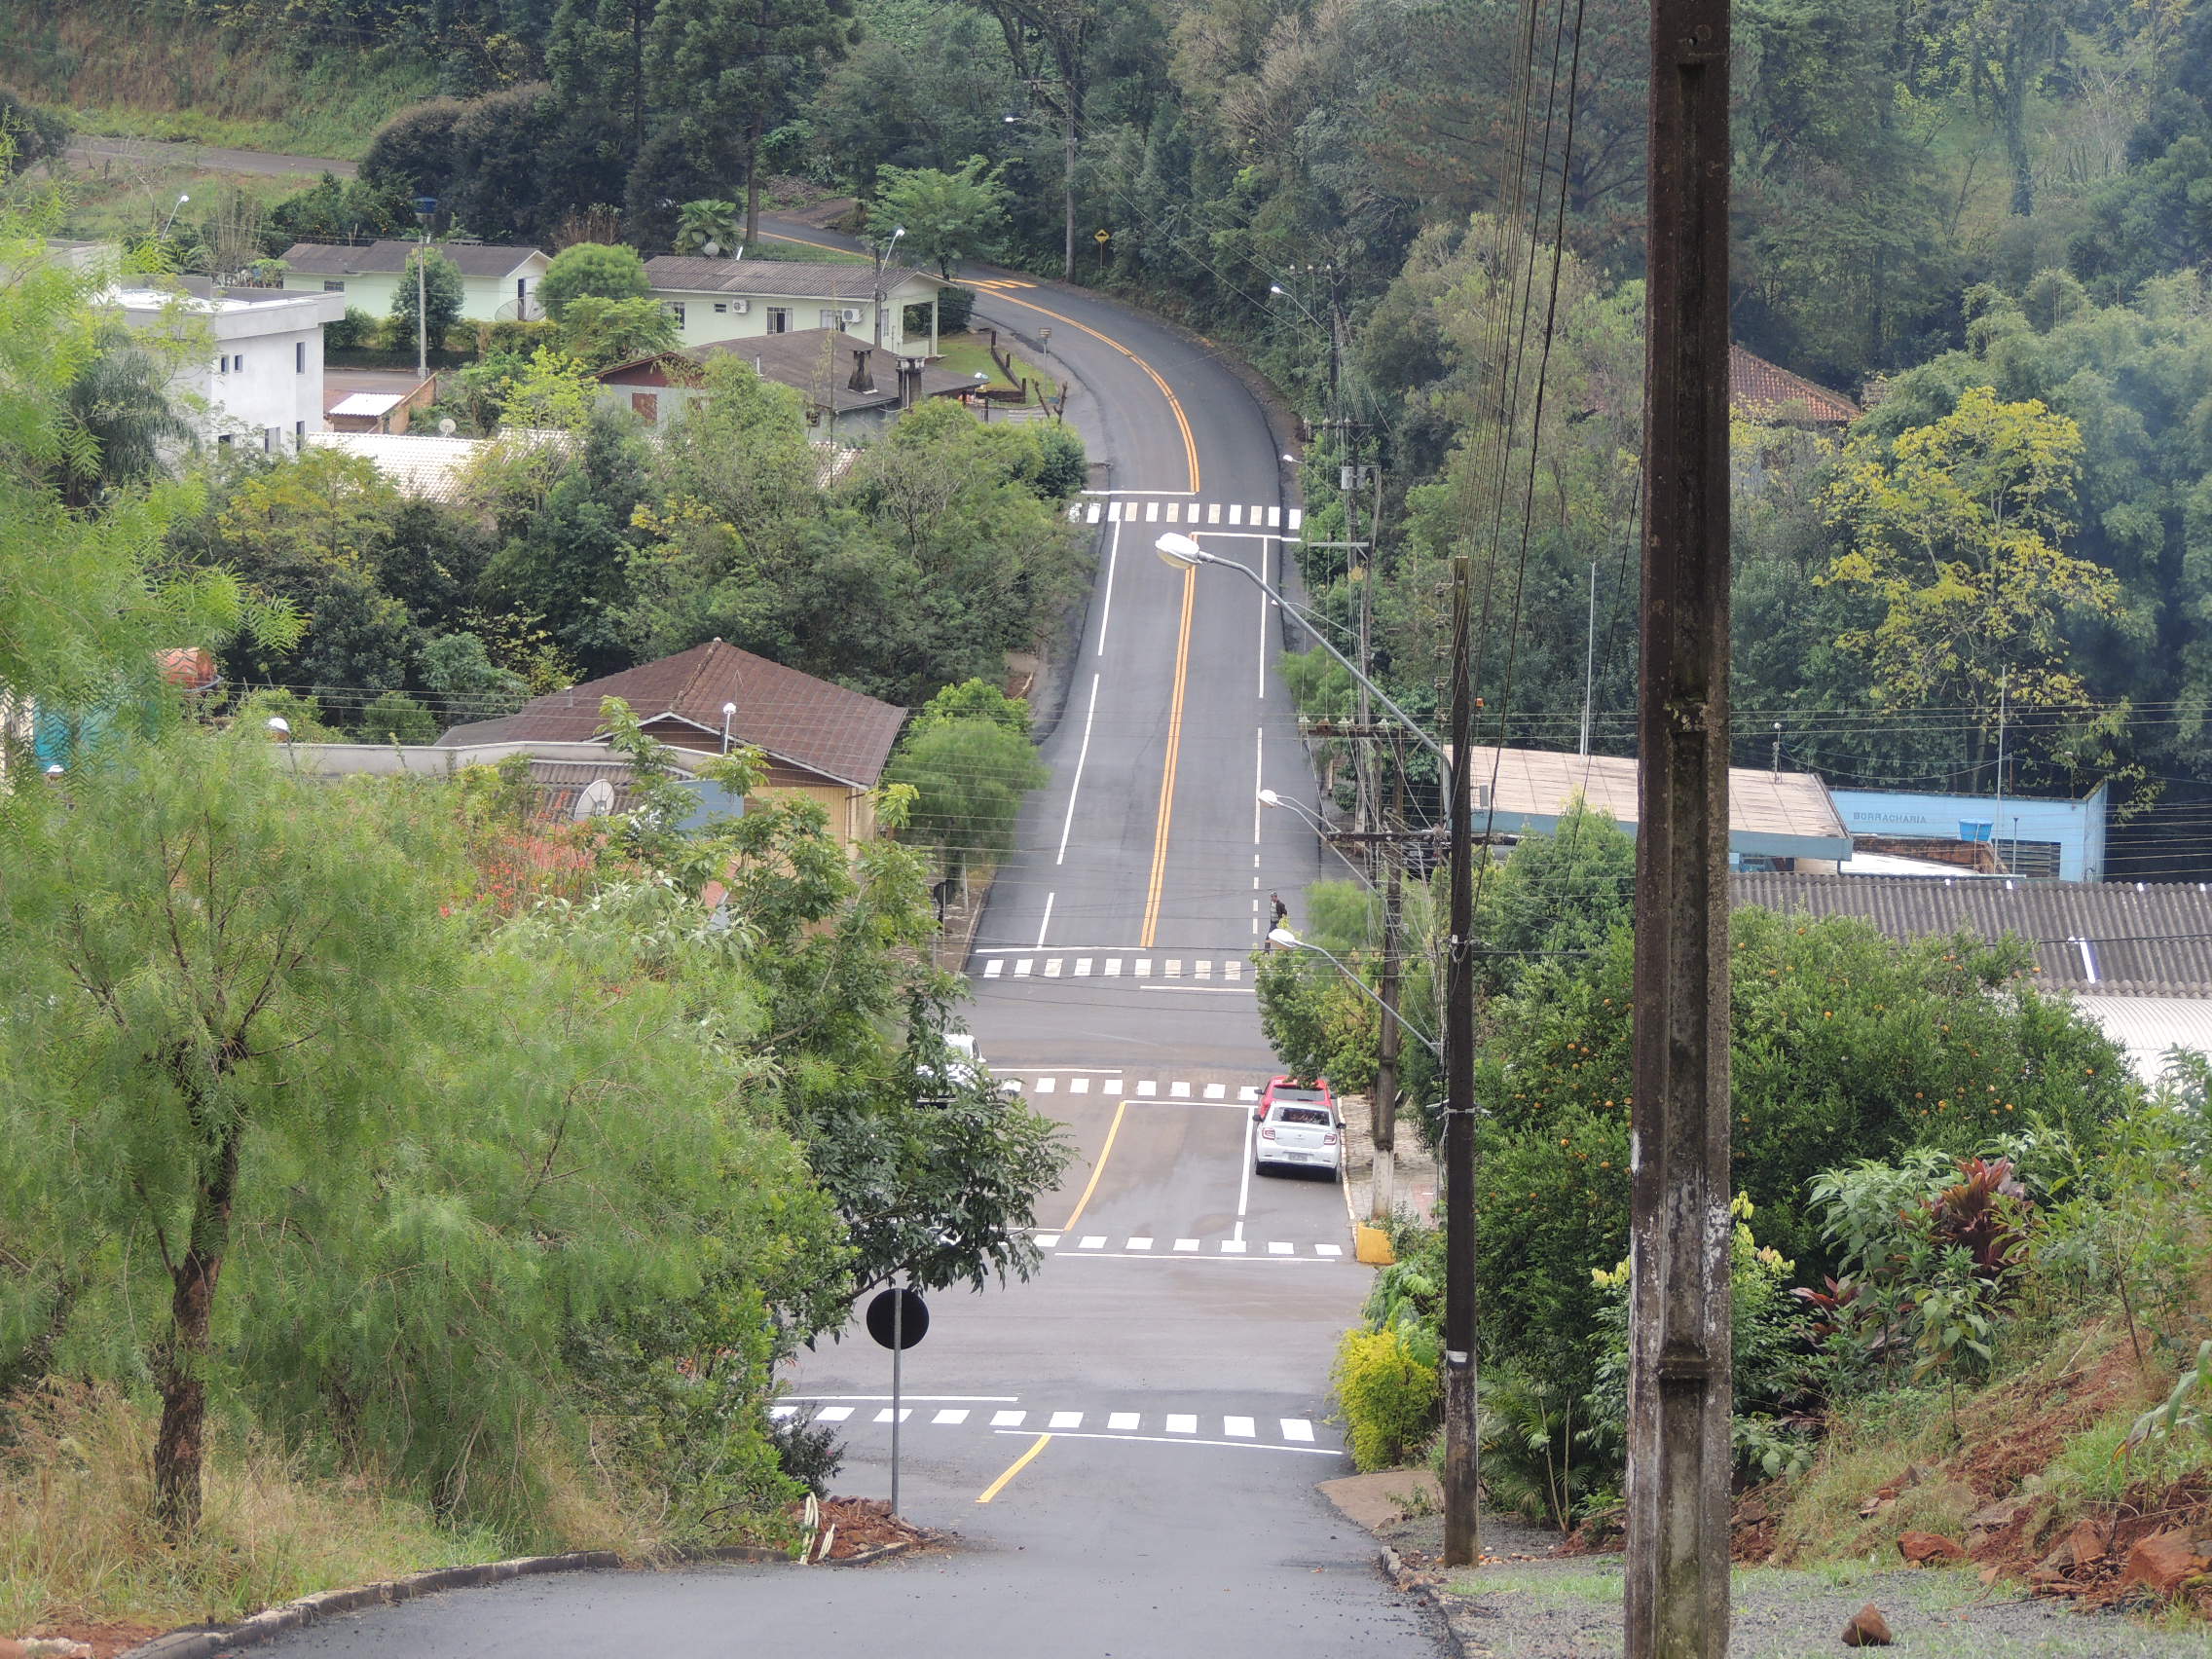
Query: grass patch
{"type": "Point", "coordinates": [1576, 1587]}
{"type": "Point", "coordinates": [802, 253]}
{"type": "Point", "coordinates": [970, 353]}
{"type": "Point", "coordinates": [76, 1541]}
{"type": "Point", "coordinates": [132, 199]}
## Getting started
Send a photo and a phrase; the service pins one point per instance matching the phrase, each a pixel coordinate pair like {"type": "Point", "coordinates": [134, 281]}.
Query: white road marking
{"type": "Point", "coordinates": [959, 1414]}
{"type": "Point", "coordinates": [1216, 1091]}
{"type": "Point", "coordinates": [1232, 1246]}
{"type": "Point", "coordinates": [1179, 1092]}
{"type": "Point", "coordinates": [1203, 968]}
{"type": "Point", "coordinates": [1249, 1094]}
{"type": "Point", "coordinates": [1297, 1428]}
{"type": "Point", "coordinates": [1126, 1421]}
{"type": "Point", "coordinates": [1148, 1087]}
{"type": "Point", "coordinates": [777, 1413]}
{"type": "Point", "coordinates": [1182, 1423]}
{"type": "Point", "coordinates": [1237, 1445]}
{"type": "Point", "coordinates": [1213, 512]}
{"type": "Point", "coordinates": [1239, 1428]}
{"type": "Point", "coordinates": [1278, 1248]}
{"type": "Point", "coordinates": [1186, 1243]}
{"type": "Point", "coordinates": [1274, 517]}
{"type": "Point", "coordinates": [1007, 1419]}
{"type": "Point", "coordinates": [1174, 507]}
{"type": "Point", "coordinates": [833, 1414]}
{"type": "Point", "coordinates": [1079, 1085]}
{"type": "Point", "coordinates": [1112, 1086]}
{"type": "Point", "coordinates": [1152, 512]}
{"type": "Point", "coordinates": [1045, 1084]}
{"type": "Point", "coordinates": [1095, 509]}
{"type": "Point", "coordinates": [1045, 920]}
{"type": "Point", "coordinates": [1083, 967]}
{"type": "Point", "coordinates": [1046, 1240]}
{"type": "Point", "coordinates": [1106, 598]}
{"type": "Point", "coordinates": [884, 1416]}
{"type": "Point", "coordinates": [1144, 968]}
{"type": "Point", "coordinates": [1297, 518]}
{"type": "Point", "coordinates": [1113, 966]}
{"type": "Point", "coordinates": [1328, 1249]}
{"type": "Point", "coordinates": [1022, 969]}
{"type": "Point", "coordinates": [1075, 788]}
{"type": "Point", "coordinates": [1052, 968]}
{"type": "Point", "coordinates": [1091, 1241]}
{"type": "Point", "coordinates": [1138, 1244]}
{"type": "Point", "coordinates": [1066, 1420]}
{"type": "Point", "coordinates": [1235, 514]}
{"type": "Point", "coordinates": [1173, 969]}
{"type": "Point", "coordinates": [994, 967]}
{"type": "Point", "coordinates": [1244, 1183]}
{"type": "Point", "coordinates": [1234, 967]}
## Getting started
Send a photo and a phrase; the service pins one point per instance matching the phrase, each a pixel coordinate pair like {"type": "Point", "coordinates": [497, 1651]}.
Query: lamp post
{"type": "Point", "coordinates": [730, 714]}
{"type": "Point", "coordinates": [1462, 1449]}
{"type": "Point", "coordinates": [172, 219]}
{"type": "Point", "coordinates": [1291, 942]}
{"type": "Point", "coordinates": [1312, 820]}
{"type": "Point", "coordinates": [425, 209]}
{"type": "Point", "coordinates": [882, 259]}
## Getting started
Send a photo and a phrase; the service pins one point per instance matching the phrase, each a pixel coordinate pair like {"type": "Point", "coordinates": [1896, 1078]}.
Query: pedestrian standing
{"type": "Point", "coordinates": [1277, 914]}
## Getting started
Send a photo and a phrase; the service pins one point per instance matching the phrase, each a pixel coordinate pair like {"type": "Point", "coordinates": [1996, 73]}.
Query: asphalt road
{"type": "Point", "coordinates": [1126, 1448]}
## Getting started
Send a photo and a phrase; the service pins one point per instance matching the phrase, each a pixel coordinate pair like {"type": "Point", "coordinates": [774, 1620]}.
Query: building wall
{"type": "Point", "coordinates": [483, 299]}
{"type": "Point", "coordinates": [2077, 827]}
{"type": "Point", "coordinates": [371, 293]}
{"type": "Point", "coordinates": [260, 375]}
{"type": "Point", "coordinates": [702, 325]}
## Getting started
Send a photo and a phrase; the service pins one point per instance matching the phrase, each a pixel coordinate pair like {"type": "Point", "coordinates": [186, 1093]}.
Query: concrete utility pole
{"type": "Point", "coordinates": [1463, 1452]}
{"type": "Point", "coordinates": [1386, 1125]}
{"type": "Point", "coordinates": [1680, 1355]}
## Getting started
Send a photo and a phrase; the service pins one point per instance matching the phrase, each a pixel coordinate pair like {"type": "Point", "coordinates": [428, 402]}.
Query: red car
{"type": "Point", "coordinates": [1314, 1093]}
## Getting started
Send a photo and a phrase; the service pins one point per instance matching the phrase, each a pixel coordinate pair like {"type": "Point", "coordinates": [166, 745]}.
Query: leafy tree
{"type": "Point", "coordinates": [1952, 530]}
{"type": "Point", "coordinates": [730, 71]}
{"type": "Point", "coordinates": [412, 153]}
{"type": "Point", "coordinates": [394, 716]}
{"type": "Point", "coordinates": [598, 333]}
{"type": "Point", "coordinates": [970, 776]}
{"type": "Point", "coordinates": [468, 683]}
{"type": "Point", "coordinates": [1558, 895]}
{"type": "Point", "coordinates": [602, 270]}
{"type": "Point", "coordinates": [442, 296]}
{"type": "Point", "coordinates": [34, 134]}
{"type": "Point", "coordinates": [709, 225]}
{"type": "Point", "coordinates": [948, 216]}
{"type": "Point", "coordinates": [976, 700]}
{"type": "Point", "coordinates": [120, 401]}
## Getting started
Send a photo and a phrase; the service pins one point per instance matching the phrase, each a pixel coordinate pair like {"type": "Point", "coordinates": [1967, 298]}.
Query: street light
{"type": "Point", "coordinates": [1313, 820]}
{"type": "Point", "coordinates": [279, 729]}
{"type": "Point", "coordinates": [1291, 942]}
{"type": "Point", "coordinates": [1180, 553]}
{"type": "Point", "coordinates": [425, 209]}
{"type": "Point", "coordinates": [882, 259]}
{"type": "Point", "coordinates": [730, 714]}
{"type": "Point", "coordinates": [172, 219]}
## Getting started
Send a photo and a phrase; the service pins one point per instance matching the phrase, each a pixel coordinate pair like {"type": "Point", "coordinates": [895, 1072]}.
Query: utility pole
{"type": "Point", "coordinates": [1463, 1452]}
{"type": "Point", "coordinates": [1680, 1355]}
{"type": "Point", "coordinates": [1385, 1124]}
{"type": "Point", "coordinates": [1590, 663]}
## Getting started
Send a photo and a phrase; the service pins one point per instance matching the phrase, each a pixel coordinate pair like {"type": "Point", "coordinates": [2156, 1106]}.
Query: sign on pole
{"type": "Point", "coordinates": [897, 1319]}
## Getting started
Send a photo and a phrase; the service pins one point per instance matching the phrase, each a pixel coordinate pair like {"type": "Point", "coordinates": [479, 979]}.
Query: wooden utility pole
{"type": "Point", "coordinates": [1679, 1364]}
{"type": "Point", "coordinates": [1383, 1184]}
{"type": "Point", "coordinates": [1462, 1454]}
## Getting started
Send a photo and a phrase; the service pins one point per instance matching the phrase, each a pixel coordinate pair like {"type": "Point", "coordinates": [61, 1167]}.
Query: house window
{"type": "Point", "coordinates": [223, 365]}
{"type": "Point", "coordinates": [299, 356]}
{"type": "Point", "coordinates": [224, 439]}
{"type": "Point", "coordinates": [675, 311]}
{"type": "Point", "coordinates": [237, 361]}
{"type": "Point", "coordinates": [299, 434]}
{"type": "Point", "coordinates": [330, 287]}
{"type": "Point", "coordinates": [778, 319]}
{"type": "Point", "coordinates": [832, 317]}
{"type": "Point", "coordinates": [269, 440]}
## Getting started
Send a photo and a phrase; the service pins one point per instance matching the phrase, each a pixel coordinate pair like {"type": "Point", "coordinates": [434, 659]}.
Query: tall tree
{"type": "Point", "coordinates": [740, 67]}
{"type": "Point", "coordinates": [1049, 43]}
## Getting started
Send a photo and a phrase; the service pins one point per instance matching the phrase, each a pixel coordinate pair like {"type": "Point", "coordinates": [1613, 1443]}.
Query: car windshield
{"type": "Point", "coordinates": [1302, 1114]}
{"type": "Point", "coordinates": [1299, 1094]}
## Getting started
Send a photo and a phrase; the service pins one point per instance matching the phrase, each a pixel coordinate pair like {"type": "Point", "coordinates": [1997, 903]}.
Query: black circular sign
{"type": "Point", "coordinates": [913, 1323]}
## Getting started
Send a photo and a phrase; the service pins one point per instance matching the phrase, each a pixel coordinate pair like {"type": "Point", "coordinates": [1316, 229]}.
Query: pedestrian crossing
{"type": "Point", "coordinates": [1121, 1086]}
{"type": "Point", "coordinates": [998, 284]}
{"type": "Point", "coordinates": [1230, 970]}
{"type": "Point", "coordinates": [1096, 1242]}
{"type": "Point", "coordinates": [1199, 1427]}
{"type": "Point", "coordinates": [1250, 517]}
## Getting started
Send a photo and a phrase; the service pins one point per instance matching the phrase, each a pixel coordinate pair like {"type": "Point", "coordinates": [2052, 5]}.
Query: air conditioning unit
{"type": "Point", "coordinates": [852, 314]}
{"type": "Point", "coordinates": [738, 308]}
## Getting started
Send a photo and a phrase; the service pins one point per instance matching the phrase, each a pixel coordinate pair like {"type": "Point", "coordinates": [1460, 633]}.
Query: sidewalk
{"type": "Point", "coordinates": [1415, 1186]}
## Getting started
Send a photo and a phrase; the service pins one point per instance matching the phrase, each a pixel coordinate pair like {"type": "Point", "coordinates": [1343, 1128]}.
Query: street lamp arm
{"type": "Point", "coordinates": [1200, 557]}
{"type": "Point", "coordinates": [1283, 936]}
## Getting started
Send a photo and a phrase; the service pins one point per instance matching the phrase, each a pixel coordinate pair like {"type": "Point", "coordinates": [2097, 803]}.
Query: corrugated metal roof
{"type": "Point", "coordinates": [2148, 1026]}
{"type": "Point", "coordinates": [1542, 783]}
{"type": "Point", "coordinates": [776, 278]}
{"type": "Point", "coordinates": [825, 728]}
{"type": "Point", "coordinates": [2099, 938]}
{"type": "Point", "coordinates": [388, 257]}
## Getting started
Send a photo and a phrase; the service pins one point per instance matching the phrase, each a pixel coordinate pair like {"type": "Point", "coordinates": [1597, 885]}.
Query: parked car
{"type": "Point", "coordinates": [1288, 1088]}
{"type": "Point", "coordinates": [1299, 1129]}
{"type": "Point", "coordinates": [960, 1071]}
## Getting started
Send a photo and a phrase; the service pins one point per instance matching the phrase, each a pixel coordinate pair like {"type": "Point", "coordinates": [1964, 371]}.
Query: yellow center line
{"type": "Point", "coordinates": [1099, 1168]}
{"type": "Point", "coordinates": [1167, 770]}
{"type": "Point", "coordinates": [1174, 404]}
{"type": "Point", "coordinates": [1013, 1470]}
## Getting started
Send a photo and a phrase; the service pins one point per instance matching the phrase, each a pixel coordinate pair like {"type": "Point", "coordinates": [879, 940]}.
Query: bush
{"type": "Point", "coordinates": [352, 332]}
{"type": "Point", "coordinates": [599, 270]}
{"type": "Point", "coordinates": [38, 134]}
{"type": "Point", "coordinates": [1387, 1392]}
{"type": "Point", "coordinates": [955, 308]}
{"type": "Point", "coordinates": [397, 718]}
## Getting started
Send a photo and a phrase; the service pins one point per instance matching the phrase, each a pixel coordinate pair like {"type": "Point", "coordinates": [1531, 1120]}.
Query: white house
{"type": "Point", "coordinates": [737, 299]}
{"type": "Point", "coordinates": [260, 379]}
{"type": "Point", "coordinates": [498, 284]}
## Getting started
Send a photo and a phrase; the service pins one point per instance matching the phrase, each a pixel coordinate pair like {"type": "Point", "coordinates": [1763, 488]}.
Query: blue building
{"type": "Point", "coordinates": [2060, 839]}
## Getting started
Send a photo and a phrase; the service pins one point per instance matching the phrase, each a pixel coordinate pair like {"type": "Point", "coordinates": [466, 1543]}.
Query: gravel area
{"type": "Point", "coordinates": [1528, 1604]}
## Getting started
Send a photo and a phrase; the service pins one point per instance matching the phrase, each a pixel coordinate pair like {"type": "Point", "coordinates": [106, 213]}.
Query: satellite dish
{"type": "Point", "coordinates": [445, 427]}
{"type": "Point", "coordinates": [595, 800]}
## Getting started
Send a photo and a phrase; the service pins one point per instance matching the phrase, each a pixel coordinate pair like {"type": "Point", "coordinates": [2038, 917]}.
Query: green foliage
{"type": "Point", "coordinates": [970, 776]}
{"type": "Point", "coordinates": [709, 227]}
{"type": "Point", "coordinates": [351, 332]}
{"type": "Point", "coordinates": [1388, 1394]}
{"type": "Point", "coordinates": [947, 216]}
{"type": "Point", "coordinates": [33, 135]}
{"type": "Point", "coordinates": [441, 296]}
{"type": "Point", "coordinates": [976, 700]}
{"type": "Point", "coordinates": [1560, 895]}
{"type": "Point", "coordinates": [593, 270]}
{"type": "Point", "coordinates": [598, 333]}
{"type": "Point", "coordinates": [394, 716]}
{"type": "Point", "coordinates": [955, 308]}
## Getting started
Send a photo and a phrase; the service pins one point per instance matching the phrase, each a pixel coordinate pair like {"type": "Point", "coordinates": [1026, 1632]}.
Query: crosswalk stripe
{"type": "Point", "coordinates": [1279, 1249]}
{"type": "Point", "coordinates": [1234, 967]}
{"type": "Point", "coordinates": [1152, 512]}
{"type": "Point", "coordinates": [1144, 967]}
{"type": "Point", "coordinates": [1328, 1249]}
{"type": "Point", "coordinates": [1113, 512]}
{"type": "Point", "coordinates": [1173, 508]}
{"type": "Point", "coordinates": [1204, 968]}
{"type": "Point", "coordinates": [1074, 513]}
{"type": "Point", "coordinates": [1179, 1092]}
{"type": "Point", "coordinates": [1186, 1244]}
{"type": "Point", "coordinates": [1083, 967]}
{"type": "Point", "coordinates": [1148, 1087]}
{"type": "Point", "coordinates": [781, 1414]}
{"type": "Point", "coordinates": [1022, 969]}
{"type": "Point", "coordinates": [1255, 518]}
{"type": "Point", "coordinates": [1046, 1240]}
{"type": "Point", "coordinates": [833, 1414]}
{"type": "Point", "coordinates": [1046, 1084]}
{"type": "Point", "coordinates": [994, 967]}
{"type": "Point", "coordinates": [1297, 1428]}
{"type": "Point", "coordinates": [1274, 517]}
{"type": "Point", "coordinates": [1113, 966]}
{"type": "Point", "coordinates": [1093, 516]}
{"type": "Point", "coordinates": [1293, 1432]}
{"type": "Point", "coordinates": [1182, 1423]}
{"type": "Point", "coordinates": [1066, 1420]}
{"type": "Point", "coordinates": [951, 1415]}
{"type": "Point", "coordinates": [1138, 1244]}
{"type": "Point", "coordinates": [1216, 1091]}
{"type": "Point", "coordinates": [1213, 512]}
{"type": "Point", "coordinates": [1052, 968]}
{"type": "Point", "coordinates": [1093, 1242]}
{"type": "Point", "coordinates": [1297, 518]}
{"type": "Point", "coordinates": [1174, 969]}
{"type": "Point", "coordinates": [1232, 1246]}
{"type": "Point", "coordinates": [1240, 1428]}
{"type": "Point", "coordinates": [1235, 513]}
{"type": "Point", "coordinates": [1079, 1085]}
{"type": "Point", "coordinates": [1124, 1422]}
{"type": "Point", "coordinates": [1007, 1419]}
{"type": "Point", "coordinates": [1112, 1086]}
{"type": "Point", "coordinates": [1248, 1094]}
{"type": "Point", "coordinates": [904, 1411]}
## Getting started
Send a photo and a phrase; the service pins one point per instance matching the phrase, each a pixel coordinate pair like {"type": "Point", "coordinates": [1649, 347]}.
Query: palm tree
{"type": "Point", "coordinates": [709, 227]}
{"type": "Point", "coordinates": [118, 410]}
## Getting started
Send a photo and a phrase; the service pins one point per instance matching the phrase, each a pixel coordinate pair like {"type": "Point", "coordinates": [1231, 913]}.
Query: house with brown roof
{"type": "Point", "coordinates": [1770, 395]}
{"type": "Point", "coordinates": [497, 283]}
{"type": "Point", "coordinates": [822, 742]}
{"type": "Point", "coordinates": [742, 299]}
{"type": "Point", "coordinates": [849, 384]}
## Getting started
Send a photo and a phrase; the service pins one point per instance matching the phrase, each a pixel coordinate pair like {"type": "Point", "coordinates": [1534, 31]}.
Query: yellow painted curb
{"type": "Point", "coordinates": [1372, 1245]}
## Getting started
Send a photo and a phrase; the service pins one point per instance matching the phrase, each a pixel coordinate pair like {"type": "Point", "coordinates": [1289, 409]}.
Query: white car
{"type": "Point", "coordinates": [963, 1069]}
{"type": "Point", "coordinates": [1295, 1133]}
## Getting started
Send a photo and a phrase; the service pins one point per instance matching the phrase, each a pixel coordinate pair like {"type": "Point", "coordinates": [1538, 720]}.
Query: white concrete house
{"type": "Point", "coordinates": [260, 379]}
{"type": "Point", "coordinates": [714, 300]}
{"type": "Point", "coordinates": [497, 283]}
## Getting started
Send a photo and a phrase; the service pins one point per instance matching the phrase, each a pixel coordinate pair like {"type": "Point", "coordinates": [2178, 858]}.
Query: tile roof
{"type": "Point", "coordinates": [794, 716]}
{"type": "Point", "coordinates": [428, 467]}
{"type": "Point", "coordinates": [2098, 937]}
{"type": "Point", "coordinates": [388, 257]}
{"type": "Point", "coordinates": [1767, 391]}
{"type": "Point", "coordinates": [778, 279]}
{"type": "Point", "coordinates": [815, 361]}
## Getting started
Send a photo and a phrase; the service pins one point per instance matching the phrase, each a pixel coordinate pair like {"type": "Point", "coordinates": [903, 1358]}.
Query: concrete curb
{"type": "Point", "coordinates": [1414, 1584]}
{"type": "Point", "coordinates": [207, 1642]}
{"type": "Point", "coordinates": [866, 1557]}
